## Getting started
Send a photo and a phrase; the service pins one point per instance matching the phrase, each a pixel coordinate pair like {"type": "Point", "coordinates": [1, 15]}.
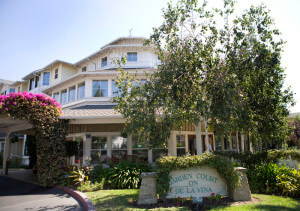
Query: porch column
{"type": "Point", "coordinates": [150, 157]}
{"type": "Point", "coordinates": [250, 145]}
{"type": "Point", "coordinates": [6, 152]}
{"type": "Point", "coordinates": [129, 145]}
{"type": "Point", "coordinates": [214, 141]}
{"type": "Point", "coordinates": [186, 143]}
{"type": "Point", "coordinates": [172, 149]}
{"type": "Point", "coordinates": [237, 142]}
{"type": "Point", "coordinates": [109, 146]}
{"type": "Point", "coordinates": [206, 137]}
{"type": "Point", "coordinates": [198, 138]}
{"type": "Point", "coordinates": [86, 148]}
{"type": "Point", "coordinates": [242, 143]}
{"type": "Point", "coordinates": [230, 142]}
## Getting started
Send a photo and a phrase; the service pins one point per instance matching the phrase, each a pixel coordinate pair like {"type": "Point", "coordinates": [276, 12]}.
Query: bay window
{"type": "Point", "coordinates": [100, 88]}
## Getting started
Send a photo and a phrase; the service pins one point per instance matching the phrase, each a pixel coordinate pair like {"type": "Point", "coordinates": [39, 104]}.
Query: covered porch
{"type": "Point", "coordinates": [9, 126]}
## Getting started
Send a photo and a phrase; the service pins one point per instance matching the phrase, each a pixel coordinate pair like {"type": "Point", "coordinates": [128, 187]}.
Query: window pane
{"type": "Point", "coordinates": [72, 93]}
{"type": "Point", "coordinates": [142, 154]}
{"type": "Point", "coordinates": [180, 140]}
{"type": "Point", "coordinates": [46, 78]}
{"type": "Point", "coordinates": [233, 139]}
{"type": "Point", "coordinates": [99, 142]}
{"type": "Point", "coordinates": [104, 62]}
{"type": "Point", "coordinates": [56, 96]}
{"type": "Point", "coordinates": [81, 91]}
{"type": "Point", "coordinates": [132, 56]}
{"type": "Point", "coordinates": [64, 97]}
{"type": "Point", "coordinates": [119, 142]}
{"type": "Point", "coordinates": [114, 88]}
{"type": "Point", "coordinates": [100, 88]}
{"type": "Point", "coordinates": [56, 73]}
{"type": "Point", "coordinates": [135, 142]}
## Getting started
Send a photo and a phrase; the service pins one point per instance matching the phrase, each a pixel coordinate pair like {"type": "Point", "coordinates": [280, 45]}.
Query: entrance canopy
{"type": "Point", "coordinates": [8, 126]}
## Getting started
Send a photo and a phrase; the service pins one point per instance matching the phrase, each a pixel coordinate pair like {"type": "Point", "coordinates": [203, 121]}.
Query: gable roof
{"type": "Point", "coordinates": [55, 62]}
{"type": "Point", "coordinates": [4, 81]}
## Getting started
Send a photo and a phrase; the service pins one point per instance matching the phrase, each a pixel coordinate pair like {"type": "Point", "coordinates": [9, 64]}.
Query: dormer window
{"type": "Point", "coordinates": [104, 62]}
{"type": "Point", "coordinates": [56, 73]}
{"type": "Point", "coordinates": [83, 69]}
{"type": "Point", "coordinates": [132, 56]}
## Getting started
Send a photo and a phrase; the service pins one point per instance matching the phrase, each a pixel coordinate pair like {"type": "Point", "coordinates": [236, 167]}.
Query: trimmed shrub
{"type": "Point", "coordinates": [270, 178]}
{"type": "Point", "coordinates": [124, 174]}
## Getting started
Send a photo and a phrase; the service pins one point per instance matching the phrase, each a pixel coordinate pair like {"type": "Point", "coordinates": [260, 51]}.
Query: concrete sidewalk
{"type": "Point", "coordinates": [17, 195]}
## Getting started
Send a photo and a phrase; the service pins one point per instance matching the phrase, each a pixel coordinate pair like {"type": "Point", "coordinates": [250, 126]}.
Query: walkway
{"type": "Point", "coordinates": [18, 195]}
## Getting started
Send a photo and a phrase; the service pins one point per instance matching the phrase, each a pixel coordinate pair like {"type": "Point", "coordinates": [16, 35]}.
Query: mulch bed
{"type": "Point", "coordinates": [206, 204]}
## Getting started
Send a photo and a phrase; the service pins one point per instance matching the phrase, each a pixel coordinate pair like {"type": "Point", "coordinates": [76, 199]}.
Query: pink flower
{"type": "Point", "coordinates": [178, 197]}
{"type": "Point", "coordinates": [87, 168]}
{"type": "Point", "coordinates": [213, 194]}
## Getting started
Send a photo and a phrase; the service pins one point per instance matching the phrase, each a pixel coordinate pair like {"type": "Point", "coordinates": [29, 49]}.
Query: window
{"type": "Point", "coordinates": [64, 97]}
{"type": "Point", "coordinates": [158, 153]}
{"type": "Point", "coordinates": [11, 90]}
{"type": "Point", "coordinates": [37, 79]}
{"type": "Point", "coordinates": [31, 83]}
{"type": "Point", "coordinates": [132, 56]}
{"type": "Point", "coordinates": [56, 73]}
{"type": "Point", "coordinates": [83, 69]}
{"type": "Point", "coordinates": [143, 81]}
{"type": "Point", "coordinates": [100, 88]}
{"type": "Point", "coordinates": [79, 156]}
{"type": "Point", "coordinates": [72, 93]}
{"type": "Point", "coordinates": [138, 149]}
{"type": "Point", "coordinates": [104, 62]}
{"type": "Point", "coordinates": [119, 146]}
{"type": "Point", "coordinates": [46, 78]}
{"type": "Point", "coordinates": [233, 139]}
{"type": "Point", "coordinates": [81, 90]}
{"type": "Point", "coordinates": [56, 96]}
{"type": "Point", "coordinates": [180, 144]}
{"type": "Point", "coordinates": [114, 89]}
{"type": "Point", "coordinates": [98, 148]}
{"type": "Point", "coordinates": [19, 88]}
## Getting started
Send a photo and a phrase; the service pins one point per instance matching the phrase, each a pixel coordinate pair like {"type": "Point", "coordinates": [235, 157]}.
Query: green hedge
{"type": "Point", "coordinates": [222, 164]}
{"type": "Point", "coordinates": [248, 159]}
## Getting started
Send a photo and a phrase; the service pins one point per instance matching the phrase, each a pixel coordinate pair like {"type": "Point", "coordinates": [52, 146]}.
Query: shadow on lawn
{"type": "Point", "coordinates": [278, 207]}
{"type": "Point", "coordinates": [274, 207]}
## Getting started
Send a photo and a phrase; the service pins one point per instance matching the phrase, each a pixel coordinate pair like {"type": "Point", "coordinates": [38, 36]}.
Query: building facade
{"type": "Point", "coordinates": [85, 89]}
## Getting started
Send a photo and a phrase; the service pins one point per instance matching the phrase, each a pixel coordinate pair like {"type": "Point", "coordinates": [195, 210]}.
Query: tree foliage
{"type": "Point", "coordinates": [215, 65]}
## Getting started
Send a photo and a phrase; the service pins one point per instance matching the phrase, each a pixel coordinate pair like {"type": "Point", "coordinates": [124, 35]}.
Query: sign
{"type": "Point", "coordinates": [196, 182]}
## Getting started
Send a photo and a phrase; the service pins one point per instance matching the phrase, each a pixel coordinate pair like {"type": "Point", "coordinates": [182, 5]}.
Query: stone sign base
{"type": "Point", "coordinates": [242, 193]}
{"type": "Point", "coordinates": [148, 193]}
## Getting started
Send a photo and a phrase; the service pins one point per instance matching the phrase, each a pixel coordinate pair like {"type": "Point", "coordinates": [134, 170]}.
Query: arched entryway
{"type": "Point", "coordinates": [21, 111]}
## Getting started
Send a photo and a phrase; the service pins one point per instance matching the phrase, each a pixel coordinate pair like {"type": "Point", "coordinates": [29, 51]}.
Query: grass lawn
{"type": "Point", "coordinates": [119, 200]}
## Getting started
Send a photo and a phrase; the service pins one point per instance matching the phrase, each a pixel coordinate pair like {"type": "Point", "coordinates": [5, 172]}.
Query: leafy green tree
{"type": "Point", "coordinates": [215, 67]}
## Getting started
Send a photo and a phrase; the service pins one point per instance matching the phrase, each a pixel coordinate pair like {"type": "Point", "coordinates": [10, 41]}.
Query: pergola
{"type": "Point", "coordinates": [9, 126]}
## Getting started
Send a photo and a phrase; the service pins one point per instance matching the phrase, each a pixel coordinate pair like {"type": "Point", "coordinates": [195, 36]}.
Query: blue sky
{"type": "Point", "coordinates": [36, 32]}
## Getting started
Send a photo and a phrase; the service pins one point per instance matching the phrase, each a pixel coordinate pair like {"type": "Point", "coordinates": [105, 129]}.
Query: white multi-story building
{"type": "Point", "coordinates": [85, 88]}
